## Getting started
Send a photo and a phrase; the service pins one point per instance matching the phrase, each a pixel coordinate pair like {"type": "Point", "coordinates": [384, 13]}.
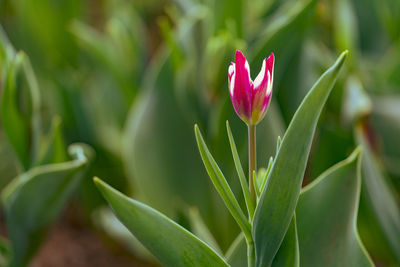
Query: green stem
{"type": "Point", "coordinates": [252, 159]}
{"type": "Point", "coordinates": [251, 254]}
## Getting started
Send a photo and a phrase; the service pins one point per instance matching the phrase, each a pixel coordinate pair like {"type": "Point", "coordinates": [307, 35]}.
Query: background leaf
{"type": "Point", "coordinates": [237, 252]}
{"type": "Point", "coordinates": [4, 252]}
{"type": "Point", "coordinates": [288, 254]}
{"type": "Point", "coordinates": [20, 105]}
{"type": "Point", "coordinates": [199, 228]}
{"type": "Point", "coordinates": [379, 206]}
{"type": "Point", "coordinates": [33, 201]}
{"type": "Point", "coordinates": [327, 217]}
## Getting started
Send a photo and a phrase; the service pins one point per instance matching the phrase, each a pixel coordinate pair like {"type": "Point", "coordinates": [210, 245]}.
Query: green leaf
{"type": "Point", "coordinates": [264, 179]}
{"type": "Point", "coordinates": [109, 51]}
{"type": "Point", "coordinates": [289, 22]}
{"type": "Point", "coordinates": [105, 220]}
{"type": "Point", "coordinates": [7, 52]}
{"type": "Point", "coordinates": [257, 180]}
{"type": "Point", "coordinates": [237, 252]}
{"type": "Point", "coordinates": [288, 254]}
{"type": "Point", "coordinates": [53, 147]}
{"type": "Point", "coordinates": [261, 174]}
{"type": "Point", "coordinates": [327, 217]}
{"type": "Point", "coordinates": [385, 120]}
{"type": "Point", "coordinates": [167, 33]}
{"type": "Point", "coordinates": [221, 185]}
{"type": "Point", "coordinates": [4, 252]}
{"type": "Point", "coordinates": [345, 28]}
{"type": "Point", "coordinates": [278, 144]}
{"type": "Point", "coordinates": [49, 44]}
{"type": "Point", "coordinates": [199, 228]}
{"type": "Point", "coordinates": [239, 169]}
{"type": "Point", "coordinates": [170, 243]}
{"type": "Point", "coordinates": [150, 139]}
{"type": "Point", "coordinates": [229, 11]}
{"type": "Point", "coordinates": [21, 122]}
{"type": "Point", "coordinates": [379, 204]}
{"type": "Point", "coordinates": [33, 200]}
{"type": "Point", "coordinates": [279, 197]}
{"type": "Point", "coordinates": [356, 102]}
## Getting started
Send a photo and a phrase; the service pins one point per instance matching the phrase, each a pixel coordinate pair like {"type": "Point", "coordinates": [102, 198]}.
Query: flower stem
{"type": "Point", "coordinates": [251, 254]}
{"type": "Point", "coordinates": [252, 159]}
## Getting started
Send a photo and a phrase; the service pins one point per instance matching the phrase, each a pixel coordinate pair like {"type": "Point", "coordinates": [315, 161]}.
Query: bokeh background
{"type": "Point", "coordinates": [131, 78]}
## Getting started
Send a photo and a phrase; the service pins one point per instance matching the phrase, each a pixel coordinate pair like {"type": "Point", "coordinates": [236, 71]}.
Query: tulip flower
{"type": "Point", "coordinates": [250, 99]}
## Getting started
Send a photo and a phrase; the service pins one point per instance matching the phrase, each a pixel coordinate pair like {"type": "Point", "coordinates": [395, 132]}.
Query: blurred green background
{"type": "Point", "coordinates": [130, 79]}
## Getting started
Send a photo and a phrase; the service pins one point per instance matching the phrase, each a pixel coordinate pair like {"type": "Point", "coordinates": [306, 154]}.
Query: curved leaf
{"type": "Point", "coordinates": [199, 228]}
{"type": "Point", "coordinates": [327, 217]}
{"type": "Point", "coordinates": [170, 243]}
{"type": "Point", "coordinates": [34, 200]}
{"type": "Point", "coordinates": [157, 157]}
{"type": "Point", "coordinates": [21, 124]}
{"type": "Point", "coordinates": [288, 254]}
{"type": "Point", "coordinates": [279, 197]}
{"type": "Point", "coordinates": [4, 252]}
{"type": "Point", "coordinates": [356, 103]}
{"type": "Point", "coordinates": [379, 202]}
{"type": "Point", "coordinates": [53, 148]}
{"type": "Point", "coordinates": [288, 22]}
{"type": "Point", "coordinates": [239, 169]}
{"type": "Point", "coordinates": [385, 119]}
{"type": "Point", "coordinates": [221, 185]}
{"type": "Point", "coordinates": [237, 252]}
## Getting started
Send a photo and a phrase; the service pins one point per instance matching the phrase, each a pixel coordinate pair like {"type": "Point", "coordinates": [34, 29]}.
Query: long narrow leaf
{"type": "Point", "coordinates": [221, 185]}
{"type": "Point", "coordinates": [170, 243]}
{"type": "Point", "coordinates": [279, 197]}
{"type": "Point", "coordinates": [22, 127]}
{"type": "Point", "coordinates": [288, 254]}
{"type": "Point", "coordinates": [239, 169]}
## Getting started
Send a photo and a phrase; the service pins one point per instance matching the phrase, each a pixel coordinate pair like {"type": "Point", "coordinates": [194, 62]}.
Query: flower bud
{"type": "Point", "coordinates": [250, 99]}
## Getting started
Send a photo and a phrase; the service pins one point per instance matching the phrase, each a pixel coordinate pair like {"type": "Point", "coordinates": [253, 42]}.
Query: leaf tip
{"type": "Point", "coordinates": [197, 132]}
{"type": "Point", "coordinates": [196, 128]}
{"type": "Point", "coordinates": [100, 184]}
{"type": "Point", "coordinates": [342, 57]}
{"type": "Point", "coordinates": [103, 187]}
{"type": "Point", "coordinates": [355, 154]}
{"type": "Point", "coordinates": [97, 181]}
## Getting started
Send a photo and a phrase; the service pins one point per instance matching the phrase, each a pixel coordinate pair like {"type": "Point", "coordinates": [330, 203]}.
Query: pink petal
{"type": "Point", "coordinates": [270, 67]}
{"type": "Point", "coordinates": [263, 89]}
{"type": "Point", "coordinates": [241, 90]}
{"type": "Point", "coordinates": [261, 77]}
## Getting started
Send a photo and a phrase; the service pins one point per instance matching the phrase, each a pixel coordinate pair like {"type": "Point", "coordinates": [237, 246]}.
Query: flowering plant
{"type": "Point", "coordinates": [131, 78]}
{"type": "Point", "coordinates": [277, 208]}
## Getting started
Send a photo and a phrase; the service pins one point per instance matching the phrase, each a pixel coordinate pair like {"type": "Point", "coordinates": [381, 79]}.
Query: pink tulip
{"type": "Point", "coordinates": [250, 99]}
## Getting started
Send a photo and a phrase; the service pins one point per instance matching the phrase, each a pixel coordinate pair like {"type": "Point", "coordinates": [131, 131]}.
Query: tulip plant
{"type": "Point", "coordinates": [276, 228]}
{"type": "Point", "coordinates": [130, 79]}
